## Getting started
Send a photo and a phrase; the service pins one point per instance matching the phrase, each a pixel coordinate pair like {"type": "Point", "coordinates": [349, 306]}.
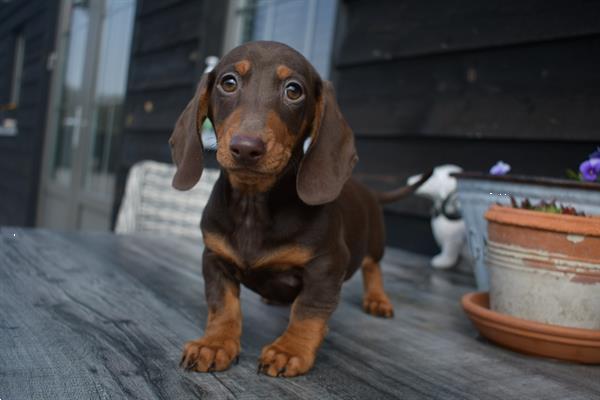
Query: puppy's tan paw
{"type": "Point", "coordinates": [209, 354]}
{"type": "Point", "coordinates": [285, 358]}
{"type": "Point", "coordinates": [378, 304]}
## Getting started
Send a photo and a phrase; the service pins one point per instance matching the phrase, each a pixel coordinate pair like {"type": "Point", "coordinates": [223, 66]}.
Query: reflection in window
{"type": "Point", "coordinates": [109, 93]}
{"type": "Point", "coordinates": [72, 94]}
{"type": "Point", "coordinates": [305, 25]}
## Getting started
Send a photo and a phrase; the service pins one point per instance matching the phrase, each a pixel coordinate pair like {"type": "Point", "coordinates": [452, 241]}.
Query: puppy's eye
{"type": "Point", "coordinates": [229, 83]}
{"type": "Point", "coordinates": [293, 91]}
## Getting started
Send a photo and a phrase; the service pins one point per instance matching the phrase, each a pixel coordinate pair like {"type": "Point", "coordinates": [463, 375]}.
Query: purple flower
{"type": "Point", "coordinates": [500, 168]}
{"type": "Point", "coordinates": [596, 154]}
{"type": "Point", "coordinates": [590, 169]}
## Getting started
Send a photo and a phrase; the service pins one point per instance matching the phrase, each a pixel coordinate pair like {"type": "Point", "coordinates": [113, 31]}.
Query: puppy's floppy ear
{"type": "Point", "coordinates": [331, 156]}
{"type": "Point", "coordinates": [185, 141]}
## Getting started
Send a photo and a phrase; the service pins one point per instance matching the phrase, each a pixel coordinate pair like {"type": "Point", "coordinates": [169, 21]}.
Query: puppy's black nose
{"type": "Point", "coordinates": [247, 149]}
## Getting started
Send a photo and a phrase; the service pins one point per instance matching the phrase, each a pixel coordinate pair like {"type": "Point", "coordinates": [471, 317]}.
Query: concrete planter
{"type": "Point", "coordinates": [477, 192]}
{"type": "Point", "coordinates": [544, 267]}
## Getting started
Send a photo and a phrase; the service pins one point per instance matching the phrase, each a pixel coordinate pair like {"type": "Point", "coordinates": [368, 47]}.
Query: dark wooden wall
{"type": "Point", "coordinates": [20, 156]}
{"type": "Point", "coordinates": [467, 82]}
{"type": "Point", "coordinates": [171, 41]}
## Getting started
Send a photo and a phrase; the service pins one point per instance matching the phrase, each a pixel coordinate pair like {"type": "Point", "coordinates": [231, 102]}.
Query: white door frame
{"type": "Point", "coordinates": [73, 195]}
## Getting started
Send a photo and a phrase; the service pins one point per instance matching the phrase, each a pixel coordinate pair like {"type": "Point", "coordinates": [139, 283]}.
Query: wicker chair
{"type": "Point", "coordinates": [151, 205]}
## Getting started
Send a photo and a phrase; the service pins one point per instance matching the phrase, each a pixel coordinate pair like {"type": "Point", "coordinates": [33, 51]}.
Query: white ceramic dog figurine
{"type": "Point", "coordinates": [446, 223]}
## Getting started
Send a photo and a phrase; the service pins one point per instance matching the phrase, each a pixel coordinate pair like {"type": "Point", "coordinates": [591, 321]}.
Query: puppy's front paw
{"type": "Point", "coordinates": [286, 358]}
{"type": "Point", "coordinates": [209, 354]}
{"type": "Point", "coordinates": [378, 304]}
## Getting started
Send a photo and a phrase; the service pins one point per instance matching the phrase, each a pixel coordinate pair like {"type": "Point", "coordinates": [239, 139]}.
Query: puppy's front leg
{"type": "Point", "coordinates": [294, 352]}
{"type": "Point", "coordinates": [220, 344]}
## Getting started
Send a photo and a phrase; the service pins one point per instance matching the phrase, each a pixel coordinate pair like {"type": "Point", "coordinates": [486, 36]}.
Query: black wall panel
{"type": "Point", "coordinates": [20, 156]}
{"type": "Point", "coordinates": [466, 82]}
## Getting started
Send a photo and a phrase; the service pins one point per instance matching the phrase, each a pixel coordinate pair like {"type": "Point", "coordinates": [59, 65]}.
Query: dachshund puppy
{"type": "Point", "coordinates": [289, 225]}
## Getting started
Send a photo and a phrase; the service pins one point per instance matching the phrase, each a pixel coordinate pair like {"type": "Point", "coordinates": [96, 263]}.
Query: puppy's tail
{"type": "Point", "coordinates": [397, 194]}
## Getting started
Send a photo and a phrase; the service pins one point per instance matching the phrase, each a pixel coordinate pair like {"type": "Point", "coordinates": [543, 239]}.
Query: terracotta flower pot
{"type": "Point", "coordinates": [544, 267]}
{"type": "Point", "coordinates": [478, 191]}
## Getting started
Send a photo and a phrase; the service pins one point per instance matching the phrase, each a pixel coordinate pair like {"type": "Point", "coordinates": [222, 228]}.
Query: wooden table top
{"type": "Point", "coordinates": [101, 316]}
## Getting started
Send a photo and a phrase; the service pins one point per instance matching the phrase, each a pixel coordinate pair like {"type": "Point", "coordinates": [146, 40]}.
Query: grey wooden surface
{"type": "Point", "coordinates": [99, 316]}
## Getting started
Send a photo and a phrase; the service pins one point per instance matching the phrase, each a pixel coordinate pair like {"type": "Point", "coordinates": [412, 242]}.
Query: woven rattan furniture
{"type": "Point", "coordinates": [151, 205]}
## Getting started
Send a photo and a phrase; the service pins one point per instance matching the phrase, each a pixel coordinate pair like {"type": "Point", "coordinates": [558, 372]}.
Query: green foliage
{"type": "Point", "coordinates": [551, 207]}
{"type": "Point", "coordinates": [572, 174]}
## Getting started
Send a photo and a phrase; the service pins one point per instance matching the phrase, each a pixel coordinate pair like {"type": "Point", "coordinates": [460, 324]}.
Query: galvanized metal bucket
{"type": "Point", "coordinates": [478, 191]}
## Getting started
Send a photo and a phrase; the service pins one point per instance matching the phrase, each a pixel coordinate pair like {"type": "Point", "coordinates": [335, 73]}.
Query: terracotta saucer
{"type": "Point", "coordinates": [529, 337]}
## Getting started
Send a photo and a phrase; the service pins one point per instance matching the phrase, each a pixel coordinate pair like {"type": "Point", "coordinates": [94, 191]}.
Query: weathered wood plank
{"type": "Point", "coordinates": [166, 107]}
{"type": "Point", "coordinates": [162, 69]}
{"type": "Point", "coordinates": [149, 7]}
{"type": "Point", "coordinates": [145, 145]}
{"type": "Point", "coordinates": [102, 316]}
{"type": "Point", "coordinates": [21, 11]}
{"type": "Point", "coordinates": [174, 25]}
{"type": "Point", "coordinates": [409, 28]}
{"type": "Point", "coordinates": [544, 91]}
{"type": "Point", "coordinates": [385, 164]}
{"type": "Point", "coordinates": [410, 231]}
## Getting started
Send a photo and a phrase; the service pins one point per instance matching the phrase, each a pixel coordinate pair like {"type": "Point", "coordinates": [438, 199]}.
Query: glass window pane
{"type": "Point", "coordinates": [257, 19]}
{"type": "Point", "coordinates": [109, 94]}
{"type": "Point", "coordinates": [322, 40]}
{"type": "Point", "coordinates": [289, 24]}
{"type": "Point", "coordinates": [72, 94]}
{"type": "Point", "coordinates": [305, 25]}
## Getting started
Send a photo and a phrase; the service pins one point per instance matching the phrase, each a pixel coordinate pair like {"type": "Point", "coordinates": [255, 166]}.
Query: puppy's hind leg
{"type": "Point", "coordinates": [375, 301]}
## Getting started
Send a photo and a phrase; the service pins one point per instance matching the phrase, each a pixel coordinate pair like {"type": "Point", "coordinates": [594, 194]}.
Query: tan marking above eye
{"type": "Point", "coordinates": [281, 258]}
{"type": "Point", "coordinates": [242, 67]}
{"type": "Point", "coordinates": [283, 72]}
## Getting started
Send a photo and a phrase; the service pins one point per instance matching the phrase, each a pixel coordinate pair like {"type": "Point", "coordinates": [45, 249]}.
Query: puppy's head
{"type": "Point", "coordinates": [264, 99]}
{"type": "Point", "coordinates": [440, 184]}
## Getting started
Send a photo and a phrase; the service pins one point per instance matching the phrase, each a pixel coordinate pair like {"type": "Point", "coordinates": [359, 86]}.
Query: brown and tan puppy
{"type": "Point", "coordinates": [288, 225]}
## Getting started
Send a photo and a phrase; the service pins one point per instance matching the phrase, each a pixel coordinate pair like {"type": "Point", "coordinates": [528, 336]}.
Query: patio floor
{"type": "Point", "coordinates": [105, 316]}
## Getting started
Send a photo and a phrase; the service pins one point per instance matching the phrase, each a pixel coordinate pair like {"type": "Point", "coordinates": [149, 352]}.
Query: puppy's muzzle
{"type": "Point", "coordinates": [247, 150]}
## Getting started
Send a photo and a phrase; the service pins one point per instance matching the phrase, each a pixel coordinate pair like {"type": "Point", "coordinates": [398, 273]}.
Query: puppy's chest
{"type": "Point", "coordinates": [251, 249]}
{"type": "Point", "coordinates": [258, 240]}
